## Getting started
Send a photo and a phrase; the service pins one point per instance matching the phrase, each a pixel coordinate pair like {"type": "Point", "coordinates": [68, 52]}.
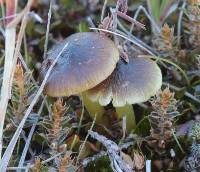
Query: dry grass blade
{"type": "Point", "coordinates": [22, 159]}
{"type": "Point", "coordinates": [126, 38]}
{"type": "Point", "coordinates": [47, 31]}
{"type": "Point", "coordinates": [5, 91]}
{"type": "Point", "coordinates": [8, 153]}
{"type": "Point", "coordinates": [103, 9]}
{"type": "Point", "coordinates": [10, 34]}
{"type": "Point", "coordinates": [10, 64]}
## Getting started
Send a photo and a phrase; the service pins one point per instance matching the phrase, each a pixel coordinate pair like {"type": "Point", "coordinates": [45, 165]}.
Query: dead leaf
{"type": "Point", "coordinates": [139, 160]}
{"type": "Point", "coordinates": [128, 160]}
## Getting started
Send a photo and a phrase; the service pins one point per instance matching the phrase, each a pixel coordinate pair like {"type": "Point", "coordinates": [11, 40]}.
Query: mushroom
{"type": "Point", "coordinates": [130, 83]}
{"type": "Point", "coordinates": [88, 60]}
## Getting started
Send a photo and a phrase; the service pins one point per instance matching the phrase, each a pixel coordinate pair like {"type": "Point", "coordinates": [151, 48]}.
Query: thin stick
{"type": "Point", "coordinates": [32, 14]}
{"type": "Point", "coordinates": [10, 34]}
{"type": "Point", "coordinates": [8, 153]}
{"type": "Point", "coordinates": [135, 18]}
{"type": "Point", "coordinates": [125, 37]}
{"type": "Point", "coordinates": [130, 19]}
{"type": "Point", "coordinates": [47, 31]}
{"type": "Point", "coordinates": [153, 23]}
{"type": "Point", "coordinates": [135, 39]}
{"type": "Point", "coordinates": [103, 10]}
{"type": "Point", "coordinates": [86, 161]}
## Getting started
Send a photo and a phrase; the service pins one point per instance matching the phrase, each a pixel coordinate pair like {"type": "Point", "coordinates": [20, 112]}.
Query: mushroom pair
{"type": "Point", "coordinates": [90, 66]}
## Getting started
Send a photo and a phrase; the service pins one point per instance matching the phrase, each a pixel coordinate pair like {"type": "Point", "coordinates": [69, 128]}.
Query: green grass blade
{"type": "Point", "coordinates": [163, 5]}
{"type": "Point", "coordinates": [172, 63]}
{"type": "Point", "coordinates": [155, 9]}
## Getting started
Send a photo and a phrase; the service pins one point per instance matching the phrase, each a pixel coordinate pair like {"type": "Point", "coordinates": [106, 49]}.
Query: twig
{"type": "Point", "coordinates": [7, 155]}
{"type": "Point", "coordinates": [103, 10]}
{"type": "Point", "coordinates": [32, 14]}
{"type": "Point", "coordinates": [141, 8]}
{"type": "Point", "coordinates": [52, 158]}
{"type": "Point", "coordinates": [126, 145]}
{"type": "Point", "coordinates": [153, 23]}
{"type": "Point", "coordinates": [137, 41]}
{"type": "Point", "coordinates": [125, 37]}
{"type": "Point", "coordinates": [135, 18]}
{"type": "Point", "coordinates": [113, 151]}
{"type": "Point", "coordinates": [130, 19]}
{"type": "Point", "coordinates": [86, 161]}
{"type": "Point", "coordinates": [47, 30]}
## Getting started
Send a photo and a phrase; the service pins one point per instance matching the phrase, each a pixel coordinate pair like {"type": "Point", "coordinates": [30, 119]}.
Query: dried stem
{"type": "Point", "coordinates": [10, 35]}
{"type": "Point", "coordinates": [47, 31]}
{"type": "Point", "coordinates": [130, 19]}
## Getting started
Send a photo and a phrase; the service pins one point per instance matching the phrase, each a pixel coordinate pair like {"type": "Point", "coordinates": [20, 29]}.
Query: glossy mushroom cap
{"type": "Point", "coordinates": [130, 83]}
{"type": "Point", "coordinates": [88, 60]}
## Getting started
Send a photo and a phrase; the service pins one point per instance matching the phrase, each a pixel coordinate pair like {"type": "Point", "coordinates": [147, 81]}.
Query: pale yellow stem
{"type": "Point", "coordinates": [94, 108]}
{"type": "Point", "coordinates": [128, 112]}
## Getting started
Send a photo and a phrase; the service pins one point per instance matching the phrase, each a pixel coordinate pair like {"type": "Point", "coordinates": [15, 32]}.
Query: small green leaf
{"type": "Point", "coordinates": [83, 27]}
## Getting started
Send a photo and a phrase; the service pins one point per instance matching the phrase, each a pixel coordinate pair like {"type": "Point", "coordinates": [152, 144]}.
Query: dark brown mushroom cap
{"type": "Point", "coordinates": [130, 83]}
{"type": "Point", "coordinates": [88, 60]}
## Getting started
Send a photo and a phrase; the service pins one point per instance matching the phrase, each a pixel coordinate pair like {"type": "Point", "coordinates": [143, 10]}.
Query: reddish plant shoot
{"type": "Point", "coordinates": [10, 9]}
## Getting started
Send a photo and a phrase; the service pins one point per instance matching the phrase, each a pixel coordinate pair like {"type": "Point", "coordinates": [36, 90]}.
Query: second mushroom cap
{"type": "Point", "coordinates": [130, 83]}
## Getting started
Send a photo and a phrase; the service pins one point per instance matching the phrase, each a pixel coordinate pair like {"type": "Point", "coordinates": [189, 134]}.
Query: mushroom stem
{"type": "Point", "coordinates": [127, 111]}
{"type": "Point", "coordinates": [94, 108]}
